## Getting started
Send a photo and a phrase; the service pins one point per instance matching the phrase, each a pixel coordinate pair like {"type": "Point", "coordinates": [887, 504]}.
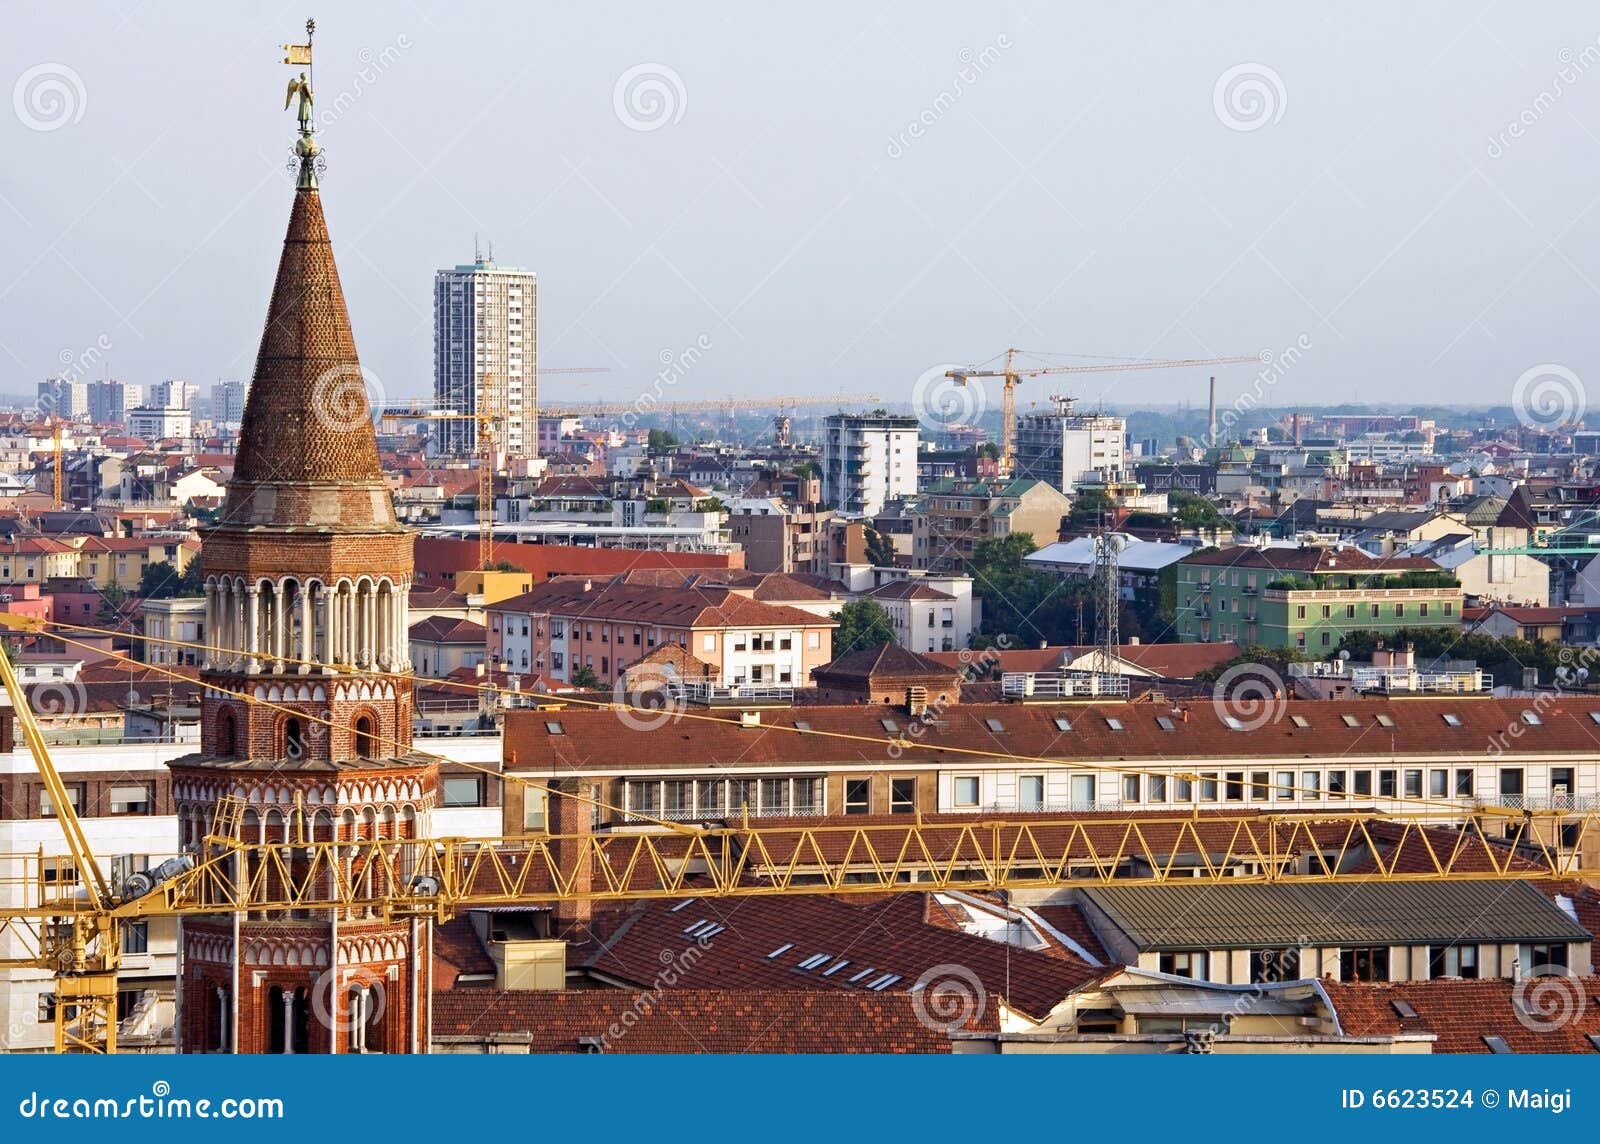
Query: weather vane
{"type": "Point", "coordinates": [307, 155]}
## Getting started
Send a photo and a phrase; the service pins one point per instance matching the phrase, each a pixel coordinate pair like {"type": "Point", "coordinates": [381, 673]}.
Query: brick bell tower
{"type": "Point", "coordinates": [306, 582]}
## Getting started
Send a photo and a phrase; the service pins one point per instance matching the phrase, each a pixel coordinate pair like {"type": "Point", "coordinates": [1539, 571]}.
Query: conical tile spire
{"type": "Point", "coordinates": [308, 455]}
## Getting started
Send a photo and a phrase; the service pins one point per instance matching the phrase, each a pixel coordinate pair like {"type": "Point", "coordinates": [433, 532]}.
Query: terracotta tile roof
{"type": "Point", "coordinates": [891, 937]}
{"type": "Point", "coordinates": [907, 590]}
{"type": "Point", "coordinates": [691, 1021]}
{"type": "Point", "coordinates": [457, 952]}
{"type": "Point", "coordinates": [443, 629]}
{"type": "Point", "coordinates": [887, 661]}
{"type": "Point", "coordinates": [693, 607]}
{"type": "Point", "coordinates": [1069, 920]}
{"type": "Point", "coordinates": [1461, 1013]}
{"type": "Point", "coordinates": [1310, 559]}
{"type": "Point", "coordinates": [1032, 730]}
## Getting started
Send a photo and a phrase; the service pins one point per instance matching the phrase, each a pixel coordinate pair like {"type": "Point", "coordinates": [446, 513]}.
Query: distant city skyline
{"type": "Point", "coordinates": [829, 198]}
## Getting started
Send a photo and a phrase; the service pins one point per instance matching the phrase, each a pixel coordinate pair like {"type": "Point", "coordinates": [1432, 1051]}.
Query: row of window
{"type": "Point", "coordinates": [1280, 785]}
{"type": "Point", "coordinates": [1366, 963]}
{"type": "Point", "coordinates": [802, 795]}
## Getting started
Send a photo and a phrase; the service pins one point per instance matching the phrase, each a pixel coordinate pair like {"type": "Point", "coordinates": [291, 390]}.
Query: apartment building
{"type": "Point", "coordinates": [1308, 597]}
{"type": "Point", "coordinates": [565, 625]}
{"type": "Point", "coordinates": [484, 353]}
{"type": "Point", "coordinates": [1064, 447]}
{"type": "Point", "coordinates": [951, 518]}
{"type": "Point", "coordinates": [868, 460]}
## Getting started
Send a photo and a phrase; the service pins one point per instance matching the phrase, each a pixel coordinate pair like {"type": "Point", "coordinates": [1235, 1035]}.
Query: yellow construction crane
{"type": "Point", "coordinates": [69, 919]}
{"type": "Point", "coordinates": [1013, 374]}
{"type": "Point", "coordinates": [55, 440]}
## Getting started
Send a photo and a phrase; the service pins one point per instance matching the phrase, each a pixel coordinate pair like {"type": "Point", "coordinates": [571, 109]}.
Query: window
{"type": "Point", "coordinates": [902, 796]}
{"type": "Point", "coordinates": [813, 640]}
{"type": "Point", "coordinates": [363, 737]}
{"type": "Point", "coordinates": [1496, 1043]}
{"type": "Point", "coordinates": [1531, 718]}
{"type": "Point", "coordinates": [1511, 782]}
{"type": "Point", "coordinates": [460, 791]}
{"type": "Point", "coordinates": [1451, 720]}
{"type": "Point", "coordinates": [1364, 963]}
{"type": "Point", "coordinates": [1130, 788]}
{"type": "Point", "coordinates": [890, 726]}
{"type": "Point", "coordinates": [554, 728]}
{"type": "Point", "coordinates": [1336, 784]}
{"type": "Point", "coordinates": [1310, 784]}
{"type": "Point", "coordinates": [1543, 956]}
{"type": "Point", "coordinates": [708, 643]}
{"type": "Point", "coordinates": [1386, 785]}
{"type": "Point", "coordinates": [1384, 720]}
{"type": "Point", "coordinates": [1260, 785]}
{"type": "Point", "coordinates": [1189, 963]}
{"type": "Point", "coordinates": [47, 807]}
{"type": "Point", "coordinates": [1285, 784]}
{"type": "Point", "coordinates": [294, 738]}
{"type": "Point", "coordinates": [1422, 609]}
{"type": "Point", "coordinates": [1208, 786]}
{"type": "Point", "coordinates": [1158, 788]}
{"type": "Point", "coordinates": [1327, 611]}
{"type": "Point", "coordinates": [1030, 792]}
{"type": "Point", "coordinates": [858, 796]}
{"type": "Point", "coordinates": [1362, 783]}
{"type": "Point", "coordinates": [1300, 721]}
{"type": "Point", "coordinates": [1113, 724]}
{"type": "Point", "coordinates": [1351, 721]}
{"type": "Point", "coordinates": [1373, 611]}
{"type": "Point", "coordinates": [136, 937]}
{"type": "Point", "coordinates": [1165, 723]}
{"type": "Point", "coordinates": [1234, 789]}
{"type": "Point", "coordinates": [994, 725]}
{"type": "Point", "coordinates": [1349, 611]}
{"type": "Point", "coordinates": [1065, 724]}
{"type": "Point", "coordinates": [1183, 789]}
{"type": "Point", "coordinates": [1399, 610]}
{"type": "Point", "coordinates": [1453, 961]}
{"type": "Point", "coordinates": [1464, 782]}
{"type": "Point", "coordinates": [1413, 784]}
{"type": "Point", "coordinates": [1269, 965]}
{"type": "Point", "coordinates": [966, 790]}
{"type": "Point", "coordinates": [1438, 784]}
{"type": "Point", "coordinates": [130, 800]}
{"type": "Point", "coordinates": [535, 804]}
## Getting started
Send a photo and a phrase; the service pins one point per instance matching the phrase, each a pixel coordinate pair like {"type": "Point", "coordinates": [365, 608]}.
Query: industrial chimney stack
{"type": "Point", "coordinates": [1213, 421]}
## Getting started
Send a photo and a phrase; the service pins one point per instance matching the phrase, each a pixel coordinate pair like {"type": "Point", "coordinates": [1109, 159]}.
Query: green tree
{"type": "Point", "coordinates": [1194, 511]}
{"type": "Point", "coordinates": [1089, 509]}
{"type": "Point", "coordinates": [504, 566]}
{"type": "Point", "coordinates": [111, 601]}
{"type": "Point", "coordinates": [988, 449]}
{"type": "Point", "coordinates": [585, 678]}
{"type": "Point", "coordinates": [162, 581]}
{"type": "Point", "coordinates": [880, 551]}
{"type": "Point", "coordinates": [809, 469]}
{"type": "Point", "coordinates": [862, 624]}
{"type": "Point", "coordinates": [1022, 603]}
{"type": "Point", "coordinates": [661, 441]}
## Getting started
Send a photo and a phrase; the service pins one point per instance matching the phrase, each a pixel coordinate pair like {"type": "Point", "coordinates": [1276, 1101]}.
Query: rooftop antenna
{"type": "Point", "coordinates": [1108, 639]}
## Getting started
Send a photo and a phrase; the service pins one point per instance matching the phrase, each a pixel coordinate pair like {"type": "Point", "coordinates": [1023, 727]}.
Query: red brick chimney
{"type": "Point", "coordinates": [571, 822]}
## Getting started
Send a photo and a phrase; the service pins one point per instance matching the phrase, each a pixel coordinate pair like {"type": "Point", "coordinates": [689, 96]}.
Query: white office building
{"type": "Point", "coordinates": [867, 461]}
{"type": "Point", "coordinates": [227, 402]}
{"type": "Point", "coordinates": [109, 401]}
{"type": "Point", "coordinates": [484, 347]}
{"type": "Point", "coordinates": [158, 423]}
{"type": "Point", "coordinates": [1064, 447]}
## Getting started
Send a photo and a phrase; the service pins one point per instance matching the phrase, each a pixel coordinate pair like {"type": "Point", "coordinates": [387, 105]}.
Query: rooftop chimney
{"type": "Point", "coordinates": [1213, 421]}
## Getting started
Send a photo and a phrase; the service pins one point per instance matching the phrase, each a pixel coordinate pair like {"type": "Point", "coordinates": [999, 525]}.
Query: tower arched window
{"type": "Point", "coordinates": [294, 738]}
{"type": "Point", "coordinates": [364, 737]}
{"type": "Point", "coordinates": [227, 736]}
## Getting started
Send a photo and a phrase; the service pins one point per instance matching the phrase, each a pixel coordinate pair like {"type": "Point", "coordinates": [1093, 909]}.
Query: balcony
{"type": "Point", "coordinates": [1047, 685]}
{"type": "Point", "coordinates": [732, 694]}
{"type": "Point", "coordinates": [641, 816]}
{"type": "Point", "coordinates": [1359, 595]}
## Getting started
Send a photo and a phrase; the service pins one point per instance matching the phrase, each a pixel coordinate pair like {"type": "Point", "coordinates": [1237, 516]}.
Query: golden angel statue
{"type": "Point", "coordinates": [302, 88]}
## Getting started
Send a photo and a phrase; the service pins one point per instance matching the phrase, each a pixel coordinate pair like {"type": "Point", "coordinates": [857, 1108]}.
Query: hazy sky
{"type": "Point", "coordinates": [1128, 179]}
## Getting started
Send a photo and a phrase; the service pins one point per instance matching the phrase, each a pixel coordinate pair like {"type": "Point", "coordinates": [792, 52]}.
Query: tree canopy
{"type": "Point", "coordinates": [862, 624]}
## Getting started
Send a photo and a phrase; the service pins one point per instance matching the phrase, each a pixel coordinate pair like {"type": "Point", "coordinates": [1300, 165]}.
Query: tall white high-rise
{"type": "Point", "coordinates": [484, 354]}
{"type": "Point", "coordinates": [1064, 447]}
{"type": "Point", "coordinates": [868, 459]}
{"type": "Point", "coordinates": [227, 402]}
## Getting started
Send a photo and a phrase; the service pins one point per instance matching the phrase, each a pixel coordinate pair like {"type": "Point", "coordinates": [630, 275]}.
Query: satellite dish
{"type": "Point", "coordinates": [1345, 654]}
